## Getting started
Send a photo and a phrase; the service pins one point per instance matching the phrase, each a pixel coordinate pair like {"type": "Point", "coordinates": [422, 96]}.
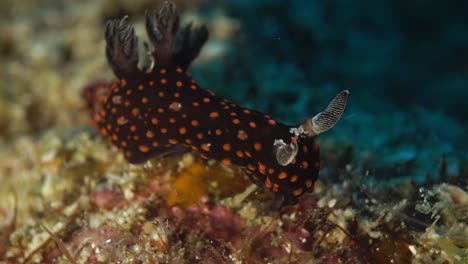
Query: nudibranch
{"type": "Point", "coordinates": [151, 110]}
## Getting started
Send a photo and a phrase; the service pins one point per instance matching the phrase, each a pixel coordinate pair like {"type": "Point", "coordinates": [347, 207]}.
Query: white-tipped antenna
{"type": "Point", "coordinates": [325, 120]}
{"type": "Point", "coordinates": [285, 153]}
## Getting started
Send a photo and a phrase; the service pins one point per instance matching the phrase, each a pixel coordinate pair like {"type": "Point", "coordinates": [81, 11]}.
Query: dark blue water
{"type": "Point", "coordinates": [404, 62]}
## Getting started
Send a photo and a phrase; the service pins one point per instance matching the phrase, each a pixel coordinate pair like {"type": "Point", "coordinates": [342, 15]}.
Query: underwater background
{"type": "Point", "coordinates": [395, 167]}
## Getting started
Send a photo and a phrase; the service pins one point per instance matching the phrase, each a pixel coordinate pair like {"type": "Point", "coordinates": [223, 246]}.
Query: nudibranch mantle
{"type": "Point", "coordinates": [149, 112]}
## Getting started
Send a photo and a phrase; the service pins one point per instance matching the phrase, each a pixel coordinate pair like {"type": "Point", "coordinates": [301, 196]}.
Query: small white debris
{"type": "Point", "coordinates": [412, 248]}
{"type": "Point", "coordinates": [128, 194]}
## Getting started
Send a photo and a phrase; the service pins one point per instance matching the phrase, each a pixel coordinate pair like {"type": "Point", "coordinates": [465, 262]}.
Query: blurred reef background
{"type": "Point", "coordinates": [393, 188]}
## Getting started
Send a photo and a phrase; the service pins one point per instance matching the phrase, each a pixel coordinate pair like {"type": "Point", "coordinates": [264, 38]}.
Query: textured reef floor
{"type": "Point", "coordinates": [392, 190]}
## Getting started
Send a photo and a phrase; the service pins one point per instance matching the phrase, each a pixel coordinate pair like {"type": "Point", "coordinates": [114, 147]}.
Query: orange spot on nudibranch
{"type": "Point", "coordinates": [252, 124]}
{"type": "Point", "coordinates": [257, 146]}
{"type": "Point", "coordinates": [275, 187]}
{"type": "Point", "coordinates": [227, 147]}
{"type": "Point", "coordinates": [262, 168]}
{"type": "Point", "coordinates": [179, 84]}
{"type": "Point", "coordinates": [205, 147]}
{"type": "Point", "coordinates": [298, 192]}
{"type": "Point", "coordinates": [236, 121]}
{"type": "Point", "coordinates": [144, 148]}
{"type": "Point", "coordinates": [154, 121]}
{"type": "Point", "coordinates": [182, 130]}
{"type": "Point", "coordinates": [163, 81]}
{"type": "Point", "coordinates": [194, 123]}
{"type": "Point", "coordinates": [226, 161]}
{"type": "Point", "coordinates": [308, 183]}
{"type": "Point", "coordinates": [214, 115]}
{"type": "Point", "coordinates": [149, 134]}
{"type": "Point", "coordinates": [121, 121]}
{"type": "Point", "coordinates": [282, 175]}
{"type": "Point", "coordinates": [175, 106]}
{"type": "Point", "coordinates": [103, 131]}
{"type": "Point", "coordinates": [242, 135]}
{"type": "Point", "coordinates": [268, 183]}
{"type": "Point", "coordinates": [293, 178]}
{"type": "Point", "coordinates": [163, 130]}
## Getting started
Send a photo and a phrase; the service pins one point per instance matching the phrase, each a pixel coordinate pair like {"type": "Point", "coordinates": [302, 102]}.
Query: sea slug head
{"type": "Point", "coordinates": [323, 121]}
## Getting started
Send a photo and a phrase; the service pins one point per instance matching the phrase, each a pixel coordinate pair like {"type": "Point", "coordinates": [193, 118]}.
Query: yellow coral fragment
{"type": "Point", "coordinates": [198, 179]}
{"type": "Point", "coordinates": [188, 187]}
